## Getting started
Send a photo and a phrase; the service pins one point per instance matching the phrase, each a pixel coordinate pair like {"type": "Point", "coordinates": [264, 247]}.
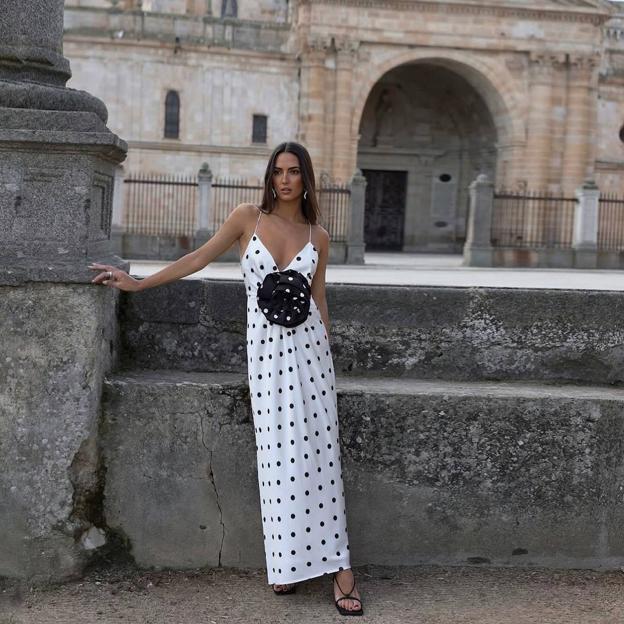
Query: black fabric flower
{"type": "Point", "coordinates": [284, 297]}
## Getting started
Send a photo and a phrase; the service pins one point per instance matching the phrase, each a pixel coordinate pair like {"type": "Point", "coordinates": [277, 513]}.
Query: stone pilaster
{"type": "Point", "coordinates": [539, 132]}
{"type": "Point", "coordinates": [344, 147]}
{"type": "Point", "coordinates": [313, 114]}
{"type": "Point", "coordinates": [580, 137]}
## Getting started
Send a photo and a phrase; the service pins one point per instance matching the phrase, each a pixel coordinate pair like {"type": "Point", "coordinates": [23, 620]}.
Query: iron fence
{"type": "Point", "coordinates": [611, 223]}
{"type": "Point", "coordinates": [532, 219]}
{"type": "Point", "coordinates": [334, 202]}
{"type": "Point", "coordinates": [160, 204]}
{"type": "Point", "coordinates": [165, 205]}
{"type": "Point", "coordinates": [227, 193]}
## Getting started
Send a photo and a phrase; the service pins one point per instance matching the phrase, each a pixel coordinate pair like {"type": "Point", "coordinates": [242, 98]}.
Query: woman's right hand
{"type": "Point", "coordinates": [120, 279]}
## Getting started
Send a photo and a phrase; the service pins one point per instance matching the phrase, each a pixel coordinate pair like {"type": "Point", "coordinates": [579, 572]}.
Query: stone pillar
{"type": "Point", "coordinates": [580, 136]}
{"type": "Point", "coordinates": [205, 212]}
{"type": "Point", "coordinates": [343, 150]}
{"type": "Point", "coordinates": [539, 138]}
{"type": "Point", "coordinates": [585, 236]}
{"type": "Point", "coordinates": [478, 250]}
{"type": "Point", "coordinates": [313, 115]}
{"type": "Point", "coordinates": [117, 228]}
{"type": "Point", "coordinates": [355, 234]}
{"type": "Point", "coordinates": [59, 331]}
{"type": "Point", "coordinates": [118, 198]}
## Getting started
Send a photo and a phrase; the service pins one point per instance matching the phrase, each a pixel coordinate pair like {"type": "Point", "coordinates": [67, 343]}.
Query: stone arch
{"type": "Point", "coordinates": [492, 81]}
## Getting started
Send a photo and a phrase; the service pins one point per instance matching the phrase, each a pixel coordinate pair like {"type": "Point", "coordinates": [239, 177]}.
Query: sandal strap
{"type": "Point", "coordinates": [346, 595]}
{"type": "Point", "coordinates": [349, 598]}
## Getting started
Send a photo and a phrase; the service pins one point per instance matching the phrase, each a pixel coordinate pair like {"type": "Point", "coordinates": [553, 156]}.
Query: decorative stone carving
{"type": "Point", "coordinates": [583, 66]}
{"type": "Point", "coordinates": [544, 65]}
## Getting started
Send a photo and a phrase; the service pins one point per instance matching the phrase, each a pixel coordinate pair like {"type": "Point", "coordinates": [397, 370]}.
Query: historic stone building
{"type": "Point", "coordinates": [421, 95]}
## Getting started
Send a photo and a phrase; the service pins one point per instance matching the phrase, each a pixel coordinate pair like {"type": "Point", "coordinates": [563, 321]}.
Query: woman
{"type": "Point", "coordinates": [291, 375]}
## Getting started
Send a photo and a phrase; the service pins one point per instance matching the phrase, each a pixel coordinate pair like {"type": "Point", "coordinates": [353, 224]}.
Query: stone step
{"type": "Point", "coordinates": [435, 471]}
{"type": "Point", "coordinates": [416, 332]}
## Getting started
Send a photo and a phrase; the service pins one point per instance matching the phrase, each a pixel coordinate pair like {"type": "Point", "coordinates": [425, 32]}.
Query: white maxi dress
{"type": "Point", "coordinates": [293, 398]}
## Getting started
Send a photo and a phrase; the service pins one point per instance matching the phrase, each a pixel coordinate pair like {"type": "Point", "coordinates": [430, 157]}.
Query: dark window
{"type": "Point", "coordinates": [259, 129]}
{"type": "Point", "coordinates": [229, 8]}
{"type": "Point", "coordinates": [172, 115]}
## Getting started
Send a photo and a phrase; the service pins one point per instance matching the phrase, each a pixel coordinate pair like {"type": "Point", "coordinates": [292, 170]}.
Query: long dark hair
{"type": "Point", "coordinates": [309, 205]}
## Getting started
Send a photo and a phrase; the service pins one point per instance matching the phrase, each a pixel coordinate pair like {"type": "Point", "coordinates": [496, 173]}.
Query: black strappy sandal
{"type": "Point", "coordinates": [348, 596]}
{"type": "Point", "coordinates": [292, 590]}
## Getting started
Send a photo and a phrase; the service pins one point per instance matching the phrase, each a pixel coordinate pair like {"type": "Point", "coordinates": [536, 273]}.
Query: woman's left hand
{"type": "Point", "coordinates": [114, 277]}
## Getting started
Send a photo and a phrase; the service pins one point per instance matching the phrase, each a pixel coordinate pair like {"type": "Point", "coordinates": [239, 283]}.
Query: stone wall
{"type": "Point", "coordinates": [457, 334]}
{"type": "Point", "coordinates": [466, 469]}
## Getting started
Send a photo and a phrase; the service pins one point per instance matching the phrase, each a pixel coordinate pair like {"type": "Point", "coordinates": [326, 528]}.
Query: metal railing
{"type": "Point", "coordinates": [611, 222]}
{"type": "Point", "coordinates": [227, 193]}
{"type": "Point", "coordinates": [334, 206]}
{"type": "Point", "coordinates": [160, 204]}
{"type": "Point", "coordinates": [532, 219]}
{"type": "Point", "coordinates": [166, 205]}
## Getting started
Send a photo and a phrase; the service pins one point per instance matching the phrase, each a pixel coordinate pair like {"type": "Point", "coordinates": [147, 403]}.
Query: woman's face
{"type": "Point", "coordinates": [287, 179]}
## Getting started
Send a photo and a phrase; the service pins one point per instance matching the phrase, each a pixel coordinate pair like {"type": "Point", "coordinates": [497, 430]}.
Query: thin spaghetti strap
{"type": "Point", "coordinates": [310, 239]}
{"type": "Point", "coordinates": [257, 221]}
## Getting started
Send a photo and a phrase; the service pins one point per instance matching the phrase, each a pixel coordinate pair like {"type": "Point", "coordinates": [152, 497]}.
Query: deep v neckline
{"type": "Point", "coordinates": [273, 259]}
{"type": "Point", "coordinates": [256, 235]}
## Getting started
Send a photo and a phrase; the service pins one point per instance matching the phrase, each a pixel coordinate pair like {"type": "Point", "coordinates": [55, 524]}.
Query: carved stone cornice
{"type": "Point", "coordinates": [583, 66]}
{"type": "Point", "coordinates": [346, 45]}
{"type": "Point", "coordinates": [314, 42]}
{"type": "Point", "coordinates": [543, 66]}
{"type": "Point", "coordinates": [596, 13]}
{"type": "Point", "coordinates": [315, 46]}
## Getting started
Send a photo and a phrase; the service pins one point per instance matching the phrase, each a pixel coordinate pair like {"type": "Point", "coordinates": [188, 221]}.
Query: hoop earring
{"type": "Point", "coordinates": [274, 193]}
{"type": "Point", "coordinates": [305, 194]}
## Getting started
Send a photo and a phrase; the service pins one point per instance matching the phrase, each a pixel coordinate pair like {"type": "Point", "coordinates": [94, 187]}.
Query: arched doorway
{"type": "Point", "coordinates": [425, 134]}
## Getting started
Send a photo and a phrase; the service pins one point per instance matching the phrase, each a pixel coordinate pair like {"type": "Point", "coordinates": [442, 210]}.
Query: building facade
{"type": "Point", "coordinates": [421, 95]}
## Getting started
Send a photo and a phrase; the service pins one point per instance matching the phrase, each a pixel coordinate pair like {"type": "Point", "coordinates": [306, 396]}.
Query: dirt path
{"type": "Point", "coordinates": [427, 595]}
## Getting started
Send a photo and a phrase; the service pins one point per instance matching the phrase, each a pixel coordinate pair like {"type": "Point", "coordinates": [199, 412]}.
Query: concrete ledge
{"type": "Point", "coordinates": [511, 474]}
{"type": "Point", "coordinates": [395, 331]}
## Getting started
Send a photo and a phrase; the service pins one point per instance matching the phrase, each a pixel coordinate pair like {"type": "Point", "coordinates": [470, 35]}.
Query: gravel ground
{"type": "Point", "coordinates": [431, 595]}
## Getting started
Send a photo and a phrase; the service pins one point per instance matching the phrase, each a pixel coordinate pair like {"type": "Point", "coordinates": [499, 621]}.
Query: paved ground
{"type": "Point", "coordinates": [423, 595]}
{"type": "Point", "coordinates": [427, 270]}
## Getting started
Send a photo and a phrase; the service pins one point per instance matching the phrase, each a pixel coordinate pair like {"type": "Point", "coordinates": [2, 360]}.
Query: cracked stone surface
{"type": "Point", "coordinates": [57, 344]}
{"type": "Point", "coordinates": [507, 473]}
{"type": "Point", "coordinates": [180, 465]}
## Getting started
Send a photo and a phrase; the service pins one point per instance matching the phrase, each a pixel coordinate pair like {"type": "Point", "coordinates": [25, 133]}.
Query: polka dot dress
{"type": "Point", "coordinates": [293, 398]}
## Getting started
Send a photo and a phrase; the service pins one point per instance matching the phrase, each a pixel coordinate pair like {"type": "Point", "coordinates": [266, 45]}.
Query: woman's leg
{"type": "Point", "coordinates": [346, 581]}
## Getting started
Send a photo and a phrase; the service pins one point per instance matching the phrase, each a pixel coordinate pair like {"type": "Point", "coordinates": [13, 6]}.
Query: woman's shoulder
{"type": "Point", "coordinates": [247, 208]}
{"type": "Point", "coordinates": [320, 230]}
{"type": "Point", "coordinates": [320, 234]}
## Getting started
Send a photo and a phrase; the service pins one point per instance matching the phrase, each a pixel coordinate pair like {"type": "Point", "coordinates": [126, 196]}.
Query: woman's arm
{"type": "Point", "coordinates": [233, 228]}
{"type": "Point", "coordinates": [318, 282]}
